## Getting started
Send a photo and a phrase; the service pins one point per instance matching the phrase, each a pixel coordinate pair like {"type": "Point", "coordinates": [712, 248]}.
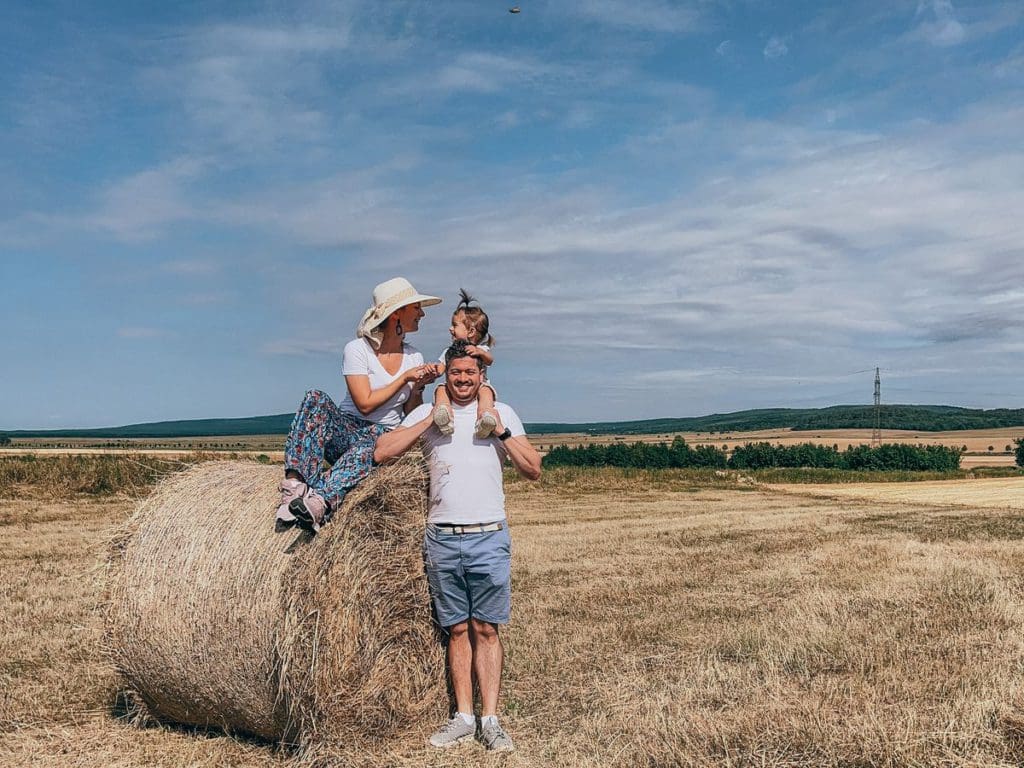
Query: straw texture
{"type": "Point", "coordinates": [216, 620]}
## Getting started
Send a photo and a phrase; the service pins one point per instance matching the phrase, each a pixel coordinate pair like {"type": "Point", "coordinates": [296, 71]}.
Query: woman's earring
{"type": "Point", "coordinates": [398, 328]}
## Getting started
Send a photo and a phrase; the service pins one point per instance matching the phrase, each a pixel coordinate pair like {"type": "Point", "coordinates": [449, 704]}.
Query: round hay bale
{"type": "Point", "coordinates": [216, 620]}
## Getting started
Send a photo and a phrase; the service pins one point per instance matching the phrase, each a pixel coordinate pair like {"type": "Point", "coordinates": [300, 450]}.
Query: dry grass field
{"type": "Point", "coordinates": [658, 620]}
{"type": "Point", "coordinates": [977, 442]}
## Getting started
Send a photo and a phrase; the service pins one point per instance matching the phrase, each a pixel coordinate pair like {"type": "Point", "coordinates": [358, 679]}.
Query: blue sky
{"type": "Point", "coordinates": [668, 208]}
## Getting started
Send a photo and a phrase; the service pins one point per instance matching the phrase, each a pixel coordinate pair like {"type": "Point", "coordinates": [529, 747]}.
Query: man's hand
{"type": "Point", "coordinates": [521, 453]}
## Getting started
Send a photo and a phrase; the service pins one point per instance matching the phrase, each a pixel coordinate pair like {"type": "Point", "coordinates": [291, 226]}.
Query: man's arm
{"type": "Point", "coordinates": [393, 444]}
{"type": "Point", "coordinates": [521, 453]}
{"type": "Point", "coordinates": [524, 457]}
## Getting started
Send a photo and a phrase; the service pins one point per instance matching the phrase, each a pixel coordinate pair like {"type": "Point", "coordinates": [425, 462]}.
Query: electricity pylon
{"type": "Point", "coordinates": [876, 434]}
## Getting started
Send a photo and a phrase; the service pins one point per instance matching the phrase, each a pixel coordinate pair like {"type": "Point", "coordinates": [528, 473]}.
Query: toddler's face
{"type": "Point", "coordinates": [459, 330]}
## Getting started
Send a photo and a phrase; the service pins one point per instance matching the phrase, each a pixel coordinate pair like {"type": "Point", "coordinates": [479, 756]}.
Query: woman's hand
{"type": "Point", "coordinates": [421, 375]}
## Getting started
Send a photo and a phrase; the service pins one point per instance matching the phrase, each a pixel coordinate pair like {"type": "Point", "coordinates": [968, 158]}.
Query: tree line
{"type": "Point", "coordinates": [679, 454]}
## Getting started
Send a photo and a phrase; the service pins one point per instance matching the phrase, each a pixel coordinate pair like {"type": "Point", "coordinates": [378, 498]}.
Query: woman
{"type": "Point", "coordinates": [385, 378]}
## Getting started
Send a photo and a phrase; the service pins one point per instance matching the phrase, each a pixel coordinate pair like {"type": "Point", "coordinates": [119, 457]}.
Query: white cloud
{"type": "Point", "coordinates": [140, 332]}
{"type": "Point", "coordinates": [304, 348]}
{"type": "Point", "coordinates": [775, 48]}
{"type": "Point", "coordinates": [939, 24]}
{"type": "Point", "coordinates": [248, 86]}
{"type": "Point", "coordinates": [191, 267]}
{"type": "Point", "coordinates": [140, 206]}
{"type": "Point", "coordinates": [246, 40]}
{"type": "Point", "coordinates": [1012, 66]}
{"type": "Point", "coordinates": [645, 15]}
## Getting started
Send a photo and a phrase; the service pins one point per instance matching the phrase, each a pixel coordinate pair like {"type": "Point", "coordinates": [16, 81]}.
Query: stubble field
{"type": "Point", "coordinates": [977, 442]}
{"type": "Point", "coordinates": [659, 619]}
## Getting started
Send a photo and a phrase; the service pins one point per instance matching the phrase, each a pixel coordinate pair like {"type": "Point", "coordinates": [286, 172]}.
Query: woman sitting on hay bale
{"type": "Point", "coordinates": [385, 378]}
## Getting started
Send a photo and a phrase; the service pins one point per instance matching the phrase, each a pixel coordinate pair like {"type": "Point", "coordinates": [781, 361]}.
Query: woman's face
{"type": "Point", "coordinates": [409, 316]}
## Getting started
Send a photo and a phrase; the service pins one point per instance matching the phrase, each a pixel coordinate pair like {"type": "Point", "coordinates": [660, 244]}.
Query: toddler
{"type": "Point", "coordinates": [470, 324]}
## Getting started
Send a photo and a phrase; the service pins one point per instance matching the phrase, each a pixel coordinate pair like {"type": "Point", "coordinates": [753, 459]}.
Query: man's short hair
{"type": "Point", "coordinates": [457, 350]}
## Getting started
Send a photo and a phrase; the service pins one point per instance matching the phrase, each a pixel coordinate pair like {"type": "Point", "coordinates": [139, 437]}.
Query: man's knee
{"type": "Point", "coordinates": [458, 631]}
{"type": "Point", "coordinates": [485, 631]}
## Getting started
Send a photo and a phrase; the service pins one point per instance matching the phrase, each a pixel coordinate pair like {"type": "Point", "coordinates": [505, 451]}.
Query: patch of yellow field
{"type": "Point", "coordinates": [999, 492]}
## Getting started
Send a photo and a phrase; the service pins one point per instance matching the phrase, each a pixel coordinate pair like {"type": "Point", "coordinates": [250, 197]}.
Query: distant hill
{"type": "Point", "coordinates": [921, 418]}
{"type": "Point", "coordinates": [254, 425]}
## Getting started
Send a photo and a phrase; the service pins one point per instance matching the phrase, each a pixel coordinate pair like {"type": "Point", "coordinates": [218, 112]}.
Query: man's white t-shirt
{"type": "Point", "coordinates": [465, 473]}
{"type": "Point", "coordinates": [360, 358]}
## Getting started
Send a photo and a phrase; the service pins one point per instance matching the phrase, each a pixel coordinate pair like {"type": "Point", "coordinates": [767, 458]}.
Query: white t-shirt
{"type": "Point", "coordinates": [465, 473]}
{"type": "Point", "coordinates": [360, 358]}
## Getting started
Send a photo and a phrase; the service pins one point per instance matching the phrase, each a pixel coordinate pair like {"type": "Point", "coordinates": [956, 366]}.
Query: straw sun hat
{"type": "Point", "coordinates": [387, 297]}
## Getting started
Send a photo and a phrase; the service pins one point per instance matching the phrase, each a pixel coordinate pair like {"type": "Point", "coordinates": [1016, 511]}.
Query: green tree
{"type": "Point", "coordinates": [5, 440]}
{"type": "Point", "coordinates": [1020, 452]}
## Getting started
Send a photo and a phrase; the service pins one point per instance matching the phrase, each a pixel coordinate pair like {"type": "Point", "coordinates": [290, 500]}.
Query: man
{"type": "Point", "coordinates": [466, 547]}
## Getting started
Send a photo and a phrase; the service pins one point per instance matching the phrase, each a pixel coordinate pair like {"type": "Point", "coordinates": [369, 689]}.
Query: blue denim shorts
{"type": "Point", "coordinates": [470, 575]}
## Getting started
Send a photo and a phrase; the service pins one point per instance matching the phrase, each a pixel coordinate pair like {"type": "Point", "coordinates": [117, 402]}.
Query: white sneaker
{"type": "Point", "coordinates": [495, 739]}
{"type": "Point", "coordinates": [485, 426]}
{"type": "Point", "coordinates": [444, 420]}
{"type": "Point", "coordinates": [454, 732]}
{"type": "Point", "coordinates": [309, 511]}
{"type": "Point", "coordinates": [290, 489]}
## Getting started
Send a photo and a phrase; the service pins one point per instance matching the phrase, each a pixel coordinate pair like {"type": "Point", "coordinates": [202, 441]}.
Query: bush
{"type": "Point", "coordinates": [677, 455]}
{"type": "Point", "coordinates": [886, 458]}
{"type": "Point", "coordinates": [5, 440]}
{"type": "Point", "coordinates": [1020, 452]}
{"type": "Point", "coordinates": [891, 457]}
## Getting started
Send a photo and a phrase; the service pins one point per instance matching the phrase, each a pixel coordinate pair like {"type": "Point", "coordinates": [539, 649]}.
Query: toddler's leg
{"type": "Point", "coordinates": [484, 399]}
{"type": "Point", "coordinates": [485, 421]}
{"type": "Point", "coordinates": [444, 419]}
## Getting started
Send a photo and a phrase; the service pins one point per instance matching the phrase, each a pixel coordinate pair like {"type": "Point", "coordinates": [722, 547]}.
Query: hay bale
{"type": "Point", "coordinates": [216, 620]}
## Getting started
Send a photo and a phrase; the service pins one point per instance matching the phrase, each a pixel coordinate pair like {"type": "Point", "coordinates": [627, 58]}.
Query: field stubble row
{"type": "Point", "coordinates": [658, 620]}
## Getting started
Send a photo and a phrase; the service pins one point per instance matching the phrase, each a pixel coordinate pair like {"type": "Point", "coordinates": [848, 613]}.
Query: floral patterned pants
{"type": "Point", "coordinates": [320, 434]}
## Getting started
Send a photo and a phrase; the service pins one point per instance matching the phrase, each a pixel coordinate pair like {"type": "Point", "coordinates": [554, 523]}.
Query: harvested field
{"type": "Point", "coordinates": [977, 441]}
{"type": "Point", "coordinates": [998, 492]}
{"type": "Point", "coordinates": [668, 624]}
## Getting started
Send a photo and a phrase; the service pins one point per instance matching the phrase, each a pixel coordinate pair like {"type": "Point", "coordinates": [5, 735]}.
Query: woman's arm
{"type": "Point", "coordinates": [368, 400]}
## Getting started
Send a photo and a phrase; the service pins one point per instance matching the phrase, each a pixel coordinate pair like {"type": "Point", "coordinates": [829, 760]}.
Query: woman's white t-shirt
{"type": "Point", "coordinates": [361, 359]}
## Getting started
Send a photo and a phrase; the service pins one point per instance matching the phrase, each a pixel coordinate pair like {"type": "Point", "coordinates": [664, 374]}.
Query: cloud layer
{"type": "Point", "coordinates": [668, 208]}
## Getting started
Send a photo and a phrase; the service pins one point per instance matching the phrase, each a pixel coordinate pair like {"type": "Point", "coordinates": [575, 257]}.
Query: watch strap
{"type": "Point", "coordinates": [505, 435]}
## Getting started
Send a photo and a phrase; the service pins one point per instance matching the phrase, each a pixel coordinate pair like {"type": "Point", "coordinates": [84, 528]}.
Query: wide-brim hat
{"type": "Point", "coordinates": [389, 296]}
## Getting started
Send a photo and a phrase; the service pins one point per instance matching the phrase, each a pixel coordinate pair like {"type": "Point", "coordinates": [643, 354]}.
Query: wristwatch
{"type": "Point", "coordinates": [505, 435]}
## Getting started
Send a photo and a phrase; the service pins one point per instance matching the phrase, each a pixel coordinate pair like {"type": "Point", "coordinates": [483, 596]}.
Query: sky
{"type": "Point", "coordinates": [667, 208]}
